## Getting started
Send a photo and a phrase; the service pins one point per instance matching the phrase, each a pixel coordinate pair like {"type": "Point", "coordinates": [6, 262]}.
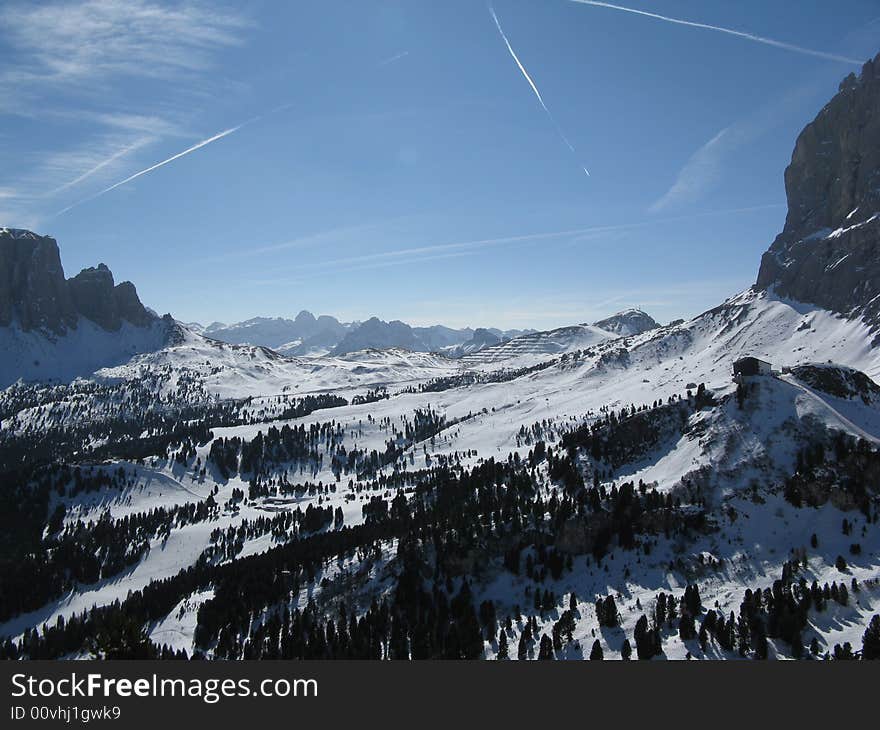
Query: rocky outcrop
{"type": "Point", "coordinates": [628, 323]}
{"type": "Point", "coordinates": [839, 381]}
{"type": "Point", "coordinates": [35, 296]}
{"type": "Point", "coordinates": [33, 291]}
{"type": "Point", "coordinates": [829, 250]}
{"type": "Point", "coordinates": [96, 297]}
{"type": "Point", "coordinates": [129, 307]}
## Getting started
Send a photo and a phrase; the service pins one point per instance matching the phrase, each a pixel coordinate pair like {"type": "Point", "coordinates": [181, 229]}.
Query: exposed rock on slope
{"type": "Point", "coordinates": [838, 380]}
{"type": "Point", "coordinates": [628, 323]}
{"type": "Point", "coordinates": [828, 252]}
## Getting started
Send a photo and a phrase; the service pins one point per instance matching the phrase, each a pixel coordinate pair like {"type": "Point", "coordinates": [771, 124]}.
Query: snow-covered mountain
{"type": "Point", "coordinates": [294, 336]}
{"type": "Point", "coordinates": [488, 346]}
{"type": "Point", "coordinates": [378, 334]}
{"type": "Point", "coordinates": [627, 323]}
{"type": "Point", "coordinates": [607, 490]}
{"type": "Point", "coordinates": [308, 335]}
{"type": "Point", "coordinates": [480, 340]}
{"type": "Point", "coordinates": [530, 348]}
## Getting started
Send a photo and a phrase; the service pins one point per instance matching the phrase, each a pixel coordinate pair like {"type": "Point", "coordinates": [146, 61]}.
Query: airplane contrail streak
{"type": "Point", "coordinates": [720, 29]}
{"type": "Point", "coordinates": [462, 248]}
{"type": "Point", "coordinates": [188, 150]}
{"type": "Point", "coordinates": [393, 58]}
{"type": "Point", "coordinates": [534, 87]}
{"type": "Point", "coordinates": [101, 165]}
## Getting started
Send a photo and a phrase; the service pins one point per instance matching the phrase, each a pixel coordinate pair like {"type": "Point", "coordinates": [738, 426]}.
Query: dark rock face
{"type": "Point", "coordinates": [35, 295]}
{"type": "Point", "coordinates": [33, 291]}
{"type": "Point", "coordinates": [829, 251]}
{"type": "Point", "coordinates": [92, 293]}
{"type": "Point", "coordinates": [129, 306]}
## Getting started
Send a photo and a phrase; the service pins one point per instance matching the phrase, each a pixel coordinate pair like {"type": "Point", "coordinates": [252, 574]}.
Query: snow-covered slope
{"type": "Point", "coordinates": [720, 452]}
{"type": "Point", "coordinates": [35, 355]}
{"type": "Point", "coordinates": [242, 371]}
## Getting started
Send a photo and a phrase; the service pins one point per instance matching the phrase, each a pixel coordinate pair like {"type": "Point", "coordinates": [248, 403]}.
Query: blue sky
{"type": "Point", "coordinates": [391, 159]}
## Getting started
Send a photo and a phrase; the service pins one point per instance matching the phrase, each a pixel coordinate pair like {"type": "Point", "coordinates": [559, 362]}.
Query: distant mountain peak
{"type": "Point", "coordinates": [627, 323]}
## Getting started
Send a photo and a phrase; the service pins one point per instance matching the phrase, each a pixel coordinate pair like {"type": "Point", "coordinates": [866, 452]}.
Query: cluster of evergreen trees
{"type": "Point", "coordinates": [450, 525]}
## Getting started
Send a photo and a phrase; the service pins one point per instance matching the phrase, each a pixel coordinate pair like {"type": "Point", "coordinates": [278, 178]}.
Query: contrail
{"type": "Point", "coordinates": [464, 248]}
{"type": "Point", "coordinates": [393, 58]}
{"type": "Point", "coordinates": [101, 165]}
{"type": "Point", "coordinates": [188, 150]}
{"type": "Point", "coordinates": [729, 31]}
{"type": "Point", "coordinates": [534, 87]}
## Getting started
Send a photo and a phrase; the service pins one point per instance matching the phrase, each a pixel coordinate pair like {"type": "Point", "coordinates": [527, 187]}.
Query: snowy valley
{"type": "Point", "coordinates": [376, 490]}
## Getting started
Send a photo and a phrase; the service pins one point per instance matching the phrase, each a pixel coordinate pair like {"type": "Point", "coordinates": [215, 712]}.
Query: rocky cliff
{"type": "Point", "coordinates": [829, 250]}
{"type": "Point", "coordinates": [33, 291]}
{"type": "Point", "coordinates": [35, 296]}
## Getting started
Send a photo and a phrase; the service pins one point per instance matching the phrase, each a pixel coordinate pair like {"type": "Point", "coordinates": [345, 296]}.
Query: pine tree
{"type": "Point", "coordinates": [647, 640]}
{"type": "Point", "coordinates": [596, 651]}
{"type": "Point", "coordinates": [502, 644]}
{"type": "Point", "coordinates": [871, 639]}
{"type": "Point", "coordinates": [546, 650]}
{"type": "Point", "coordinates": [523, 648]}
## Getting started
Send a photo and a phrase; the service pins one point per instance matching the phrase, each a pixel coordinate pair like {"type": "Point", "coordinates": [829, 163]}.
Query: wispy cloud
{"type": "Point", "coordinates": [537, 93]}
{"type": "Point", "coordinates": [729, 31]}
{"type": "Point", "coordinates": [392, 59]}
{"type": "Point", "coordinates": [705, 167]}
{"type": "Point", "coordinates": [320, 238]}
{"type": "Point", "coordinates": [102, 164]}
{"type": "Point", "coordinates": [418, 254]}
{"type": "Point", "coordinates": [69, 66]}
{"type": "Point", "coordinates": [140, 173]}
{"type": "Point", "coordinates": [699, 173]}
{"type": "Point", "coordinates": [59, 44]}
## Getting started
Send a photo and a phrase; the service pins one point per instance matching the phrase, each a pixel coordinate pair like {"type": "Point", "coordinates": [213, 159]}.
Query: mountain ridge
{"type": "Point", "coordinates": [827, 253]}
{"type": "Point", "coordinates": [35, 295]}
